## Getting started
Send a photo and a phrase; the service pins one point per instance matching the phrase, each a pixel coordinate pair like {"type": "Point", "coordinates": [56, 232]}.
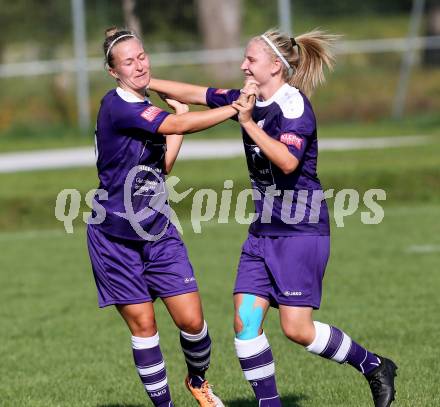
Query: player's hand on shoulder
{"type": "Point", "coordinates": [178, 107]}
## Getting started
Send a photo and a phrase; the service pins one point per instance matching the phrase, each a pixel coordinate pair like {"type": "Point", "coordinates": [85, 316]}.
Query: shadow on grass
{"type": "Point", "coordinates": [287, 401]}
{"type": "Point", "coordinates": [120, 405]}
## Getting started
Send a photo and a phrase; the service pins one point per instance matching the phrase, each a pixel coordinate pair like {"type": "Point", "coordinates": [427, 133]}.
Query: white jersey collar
{"type": "Point", "coordinates": [128, 96]}
{"type": "Point", "coordinates": [278, 95]}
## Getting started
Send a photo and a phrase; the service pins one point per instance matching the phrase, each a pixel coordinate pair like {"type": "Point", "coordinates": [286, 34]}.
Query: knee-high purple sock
{"type": "Point", "coordinates": [197, 351]}
{"type": "Point", "coordinates": [151, 368]}
{"type": "Point", "coordinates": [258, 366]}
{"type": "Point", "coordinates": [332, 343]}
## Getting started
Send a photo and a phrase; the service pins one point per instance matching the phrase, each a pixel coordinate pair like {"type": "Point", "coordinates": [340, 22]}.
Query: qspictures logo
{"type": "Point", "coordinates": [157, 197]}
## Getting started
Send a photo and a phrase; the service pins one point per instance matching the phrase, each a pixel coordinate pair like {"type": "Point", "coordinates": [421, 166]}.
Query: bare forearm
{"type": "Point", "coordinates": [274, 150]}
{"type": "Point", "coordinates": [183, 92]}
{"type": "Point", "coordinates": [196, 121]}
{"type": "Point", "coordinates": [174, 142]}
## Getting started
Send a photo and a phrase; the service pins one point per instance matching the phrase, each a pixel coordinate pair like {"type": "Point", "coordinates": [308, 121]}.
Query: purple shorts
{"type": "Point", "coordinates": [132, 272]}
{"type": "Point", "coordinates": [286, 270]}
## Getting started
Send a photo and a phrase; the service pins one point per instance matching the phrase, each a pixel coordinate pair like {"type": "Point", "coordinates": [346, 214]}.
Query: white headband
{"type": "Point", "coordinates": [275, 49]}
{"type": "Point", "coordinates": [114, 42]}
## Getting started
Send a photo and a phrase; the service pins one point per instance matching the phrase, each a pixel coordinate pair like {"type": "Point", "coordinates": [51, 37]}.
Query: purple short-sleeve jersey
{"type": "Point", "coordinates": [286, 204]}
{"type": "Point", "coordinates": [130, 161]}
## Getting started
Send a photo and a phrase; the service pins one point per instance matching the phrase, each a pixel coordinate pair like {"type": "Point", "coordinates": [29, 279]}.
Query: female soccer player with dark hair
{"type": "Point", "coordinates": [283, 260]}
{"type": "Point", "coordinates": [136, 254]}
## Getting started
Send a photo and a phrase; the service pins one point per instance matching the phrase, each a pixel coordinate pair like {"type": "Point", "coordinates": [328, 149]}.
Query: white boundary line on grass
{"type": "Point", "coordinates": [191, 150]}
{"type": "Point", "coordinates": [423, 249]}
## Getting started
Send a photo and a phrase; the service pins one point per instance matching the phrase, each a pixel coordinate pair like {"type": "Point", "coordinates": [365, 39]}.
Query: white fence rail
{"type": "Point", "coordinates": [34, 68]}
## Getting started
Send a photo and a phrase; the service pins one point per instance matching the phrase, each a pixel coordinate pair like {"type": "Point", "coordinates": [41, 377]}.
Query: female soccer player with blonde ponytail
{"type": "Point", "coordinates": [283, 260]}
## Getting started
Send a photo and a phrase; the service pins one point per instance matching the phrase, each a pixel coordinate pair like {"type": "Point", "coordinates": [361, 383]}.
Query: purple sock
{"type": "Point", "coordinates": [258, 366]}
{"type": "Point", "coordinates": [151, 368]}
{"type": "Point", "coordinates": [332, 343]}
{"type": "Point", "coordinates": [197, 351]}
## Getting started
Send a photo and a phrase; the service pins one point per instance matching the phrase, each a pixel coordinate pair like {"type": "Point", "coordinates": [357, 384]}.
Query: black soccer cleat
{"type": "Point", "coordinates": [381, 381]}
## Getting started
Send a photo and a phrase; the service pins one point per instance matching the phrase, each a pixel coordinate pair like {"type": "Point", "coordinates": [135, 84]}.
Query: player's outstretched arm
{"type": "Point", "coordinates": [183, 92]}
{"type": "Point", "coordinates": [195, 121]}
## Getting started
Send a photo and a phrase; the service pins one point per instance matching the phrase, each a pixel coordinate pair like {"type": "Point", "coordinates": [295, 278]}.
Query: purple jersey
{"type": "Point", "coordinates": [130, 160]}
{"type": "Point", "coordinates": [292, 204]}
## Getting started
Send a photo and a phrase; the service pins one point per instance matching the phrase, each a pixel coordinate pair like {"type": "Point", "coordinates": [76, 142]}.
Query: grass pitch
{"type": "Point", "coordinates": [58, 349]}
{"type": "Point", "coordinates": [381, 286]}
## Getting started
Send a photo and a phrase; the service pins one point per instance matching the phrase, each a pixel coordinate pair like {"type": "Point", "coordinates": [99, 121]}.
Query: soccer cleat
{"type": "Point", "coordinates": [204, 394]}
{"type": "Point", "coordinates": [381, 381]}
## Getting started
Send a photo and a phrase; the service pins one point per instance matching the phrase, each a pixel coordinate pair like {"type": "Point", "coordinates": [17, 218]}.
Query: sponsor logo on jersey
{"type": "Point", "coordinates": [291, 140]}
{"type": "Point", "coordinates": [221, 91]}
{"type": "Point", "coordinates": [148, 169]}
{"type": "Point", "coordinates": [260, 123]}
{"type": "Point", "coordinates": [150, 113]}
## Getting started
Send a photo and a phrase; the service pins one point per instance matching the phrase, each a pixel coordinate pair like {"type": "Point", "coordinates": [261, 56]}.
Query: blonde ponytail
{"type": "Point", "coordinates": [314, 51]}
{"type": "Point", "coordinates": [306, 54]}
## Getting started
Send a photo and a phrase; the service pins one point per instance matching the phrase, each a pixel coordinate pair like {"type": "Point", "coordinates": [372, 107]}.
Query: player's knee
{"type": "Point", "coordinates": [143, 328]}
{"type": "Point", "coordinates": [248, 319]}
{"type": "Point", "coordinates": [193, 325]}
{"type": "Point", "coordinates": [301, 334]}
{"type": "Point", "coordinates": [238, 325]}
{"type": "Point", "coordinates": [248, 329]}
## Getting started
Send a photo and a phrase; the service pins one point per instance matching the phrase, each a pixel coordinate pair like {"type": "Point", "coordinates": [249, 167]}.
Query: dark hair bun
{"type": "Point", "coordinates": [111, 31]}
